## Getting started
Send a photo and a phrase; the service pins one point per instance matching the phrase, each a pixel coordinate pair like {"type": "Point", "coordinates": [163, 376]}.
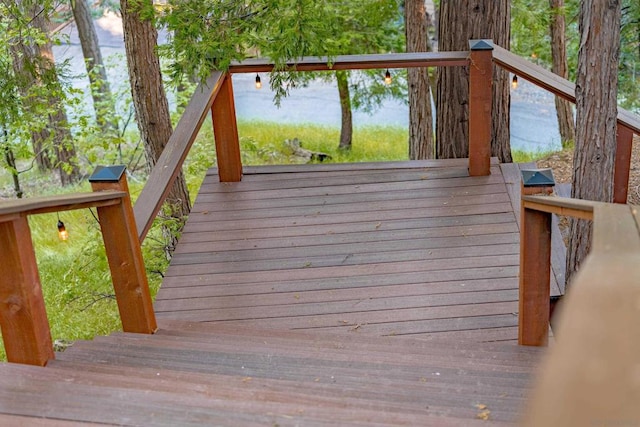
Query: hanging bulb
{"type": "Point", "coordinates": [258, 82]}
{"type": "Point", "coordinates": [387, 77]}
{"type": "Point", "coordinates": [63, 234]}
{"type": "Point", "coordinates": [514, 82]}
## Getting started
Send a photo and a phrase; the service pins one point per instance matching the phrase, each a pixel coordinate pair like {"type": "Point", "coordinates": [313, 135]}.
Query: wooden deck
{"type": "Point", "coordinates": [384, 249]}
{"type": "Point", "coordinates": [371, 294]}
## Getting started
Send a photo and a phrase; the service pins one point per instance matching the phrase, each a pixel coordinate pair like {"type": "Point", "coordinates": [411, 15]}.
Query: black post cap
{"type": "Point", "coordinates": [481, 44]}
{"type": "Point", "coordinates": [107, 173]}
{"type": "Point", "coordinates": [538, 178]}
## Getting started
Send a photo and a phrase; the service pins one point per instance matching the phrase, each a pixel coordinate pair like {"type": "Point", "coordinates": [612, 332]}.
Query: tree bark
{"type": "Point", "coordinates": [559, 66]}
{"type": "Point", "coordinates": [596, 113]}
{"type": "Point", "coordinates": [460, 21]}
{"type": "Point", "coordinates": [149, 98]}
{"type": "Point", "coordinates": [346, 129]}
{"type": "Point", "coordinates": [100, 90]}
{"type": "Point", "coordinates": [420, 114]}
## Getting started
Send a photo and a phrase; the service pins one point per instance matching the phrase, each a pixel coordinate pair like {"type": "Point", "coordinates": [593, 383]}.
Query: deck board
{"type": "Point", "coordinates": [317, 295]}
{"type": "Point", "coordinates": [418, 249]}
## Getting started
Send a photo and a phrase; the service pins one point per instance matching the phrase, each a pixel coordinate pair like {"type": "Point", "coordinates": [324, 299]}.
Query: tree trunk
{"type": "Point", "coordinates": [564, 109]}
{"type": "Point", "coordinates": [149, 99]}
{"type": "Point", "coordinates": [100, 90]}
{"type": "Point", "coordinates": [420, 115]}
{"type": "Point", "coordinates": [460, 21]}
{"type": "Point", "coordinates": [596, 112]}
{"type": "Point", "coordinates": [346, 130]}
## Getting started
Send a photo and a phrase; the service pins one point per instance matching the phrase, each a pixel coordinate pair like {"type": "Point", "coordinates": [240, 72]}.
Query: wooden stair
{"type": "Point", "coordinates": [206, 374]}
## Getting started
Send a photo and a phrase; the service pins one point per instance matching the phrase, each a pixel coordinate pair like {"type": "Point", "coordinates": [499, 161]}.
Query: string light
{"type": "Point", "coordinates": [387, 77]}
{"type": "Point", "coordinates": [63, 234]}
{"type": "Point", "coordinates": [258, 81]}
{"type": "Point", "coordinates": [514, 82]}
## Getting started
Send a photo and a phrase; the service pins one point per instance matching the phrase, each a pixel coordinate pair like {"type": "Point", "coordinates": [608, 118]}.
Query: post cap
{"type": "Point", "coordinates": [538, 178]}
{"type": "Point", "coordinates": [107, 173]}
{"type": "Point", "coordinates": [481, 44]}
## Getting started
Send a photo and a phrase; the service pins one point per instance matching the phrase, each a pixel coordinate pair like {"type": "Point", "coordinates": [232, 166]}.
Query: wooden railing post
{"type": "Point", "coordinates": [23, 317]}
{"type": "Point", "coordinates": [480, 101]}
{"type": "Point", "coordinates": [535, 263]}
{"type": "Point", "coordinates": [225, 129]}
{"type": "Point", "coordinates": [622, 163]}
{"type": "Point", "coordinates": [123, 253]}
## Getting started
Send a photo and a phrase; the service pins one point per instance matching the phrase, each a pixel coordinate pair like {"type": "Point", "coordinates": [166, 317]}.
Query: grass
{"type": "Point", "coordinates": [74, 274]}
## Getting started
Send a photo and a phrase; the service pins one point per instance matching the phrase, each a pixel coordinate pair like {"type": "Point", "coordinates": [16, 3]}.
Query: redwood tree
{"type": "Point", "coordinates": [460, 21]}
{"type": "Point", "coordinates": [596, 112]}
{"type": "Point", "coordinates": [564, 109]}
{"type": "Point", "coordinates": [420, 115]}
{"type": "Point", "coordinates": [147, 90]}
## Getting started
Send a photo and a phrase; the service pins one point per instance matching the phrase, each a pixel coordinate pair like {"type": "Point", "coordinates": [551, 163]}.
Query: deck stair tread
{"type": "Point", "coordinates": [195, 373]}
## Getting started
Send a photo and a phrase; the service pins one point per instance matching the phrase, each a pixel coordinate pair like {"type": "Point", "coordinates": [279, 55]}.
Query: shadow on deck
{"type": "Point", "coordinates": [285, 301]}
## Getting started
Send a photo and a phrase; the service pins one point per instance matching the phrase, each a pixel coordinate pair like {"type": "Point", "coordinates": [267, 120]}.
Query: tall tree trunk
{"type": "Point", "coordinates": [460, 21]}
{"type": "Point", "coordinates": [559, 66]}
{"type": "Point", "coordinates": [346, 129]}
{"type": "Point", "coordinates": [420, 115]}
{"type": "Point", "coordinates": [596, 112]}
{"type": "Point", "coordinates": [100, 90]}
{"type": "Point", "coordinates": [149, 98]}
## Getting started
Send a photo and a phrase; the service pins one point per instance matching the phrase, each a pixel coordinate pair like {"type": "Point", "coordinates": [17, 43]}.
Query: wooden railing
{"type": "Point", "coordinates": [216, 94]}
{"type": "Point", "coordinates": [628, 123]}
{"type": "Point", "coordinates": [23, 317]}
{"type": "Point", "coordinates": [591, 374]}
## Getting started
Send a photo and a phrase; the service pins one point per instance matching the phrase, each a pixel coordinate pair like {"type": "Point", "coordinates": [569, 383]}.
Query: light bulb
{"type": "Point", "coordinates": [387, 78]}
{"type": "Point", "coordinates": [258, 82]}
{"type": "Point", "coordinates": [63, 234]}
{"type": "Point", "coordinates": [514, 82]}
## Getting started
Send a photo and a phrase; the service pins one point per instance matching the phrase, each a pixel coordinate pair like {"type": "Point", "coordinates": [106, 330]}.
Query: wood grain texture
{"type": "Point", "coordinates": [23, 317]}
{"type": "Point", "coordinates": [126, 264]}
{"type": "Point", "coordinates": [480, 119]}
{"type": "Point", "coordinates": [397, 251]}
{"type": "Point", "coordinates": [58, 203]}
{"type": "Point", "coordinates": [225, 129]}
{"type": "Point", "coordinates": [170, 162]}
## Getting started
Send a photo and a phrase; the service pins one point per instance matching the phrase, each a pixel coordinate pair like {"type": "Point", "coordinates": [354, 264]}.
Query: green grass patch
{"type": "Point", "coordinates": [529, 156]}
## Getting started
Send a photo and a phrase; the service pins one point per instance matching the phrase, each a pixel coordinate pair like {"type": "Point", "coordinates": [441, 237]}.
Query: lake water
{"type": "Point", "coordinates": [534, 124]}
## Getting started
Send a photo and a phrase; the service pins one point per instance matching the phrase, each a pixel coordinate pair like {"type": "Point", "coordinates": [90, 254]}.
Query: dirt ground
{"type": "Point", "coordinates": [562, 165]}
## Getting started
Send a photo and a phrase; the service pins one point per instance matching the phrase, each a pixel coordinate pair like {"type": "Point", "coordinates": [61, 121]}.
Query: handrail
{"type": "Point", "coordinates": [627, 122]}
{"type": "Point", "coordinates": [58, 203]}
{"type": "Point", "coordinates": [358, 62]}
{"type": "Point", "coordinates": [206, 97]}
{"type": "Point", "coordinates": [170, 162]}
{"type": "Point", "coordinates": [582, 209]}
{"type": "Point", "coordinates": [552, 82]}
{"type": "Point", "coordinates": [589, 377]}
{"type": "Point", "coordinates": [23, 318]}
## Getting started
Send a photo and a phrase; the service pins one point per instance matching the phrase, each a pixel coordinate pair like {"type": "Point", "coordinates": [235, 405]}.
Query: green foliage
{"type": "Point", "coordinates": [629, 72]}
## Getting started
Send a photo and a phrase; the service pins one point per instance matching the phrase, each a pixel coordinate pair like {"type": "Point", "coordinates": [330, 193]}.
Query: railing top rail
{"type": "Point", "coordinates": [552, 82]}
{"type": "Point", "coordinates": [168, 165]}
{"type": "Point", "coordinates": [358, 62]}
{"type": "Point", "coordinates": [577, 208]}
{"type": "Point", "coordinates": [58, 203]}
